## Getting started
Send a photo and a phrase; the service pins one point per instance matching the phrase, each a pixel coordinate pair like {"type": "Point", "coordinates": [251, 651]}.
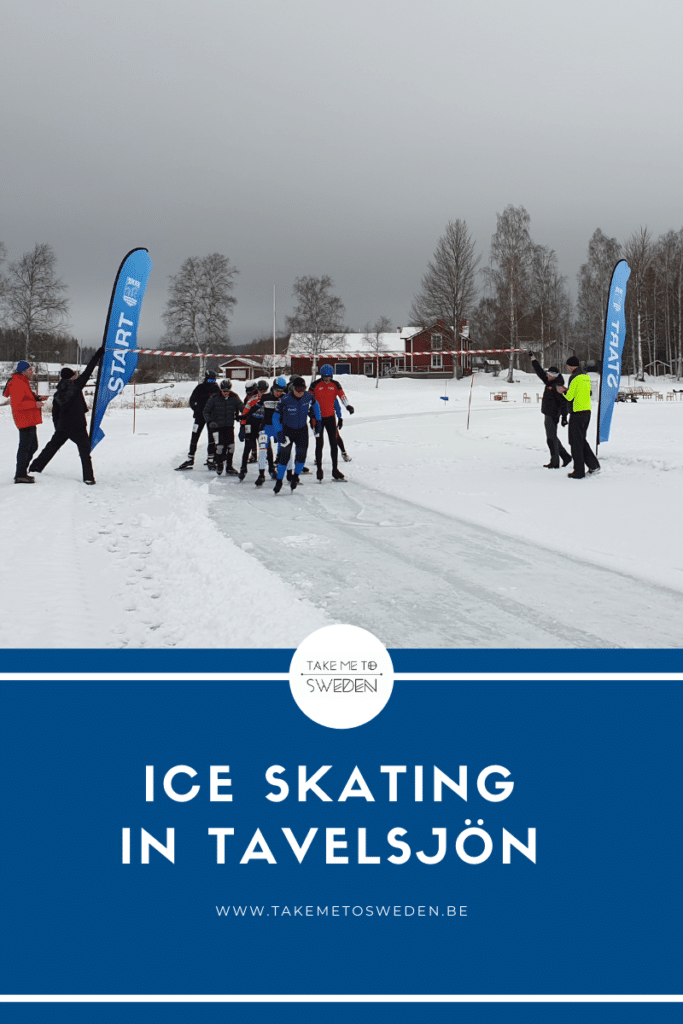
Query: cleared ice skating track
{"type": "Point", "coordinates": [418, 578]}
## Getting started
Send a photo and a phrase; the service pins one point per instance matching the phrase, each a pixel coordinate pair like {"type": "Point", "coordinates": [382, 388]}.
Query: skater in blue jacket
{"type": "Point", "coordinates": [290, 422]}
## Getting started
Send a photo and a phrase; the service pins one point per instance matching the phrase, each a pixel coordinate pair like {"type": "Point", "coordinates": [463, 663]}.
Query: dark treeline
{"type": "Point", "coordinates": [45, 347]}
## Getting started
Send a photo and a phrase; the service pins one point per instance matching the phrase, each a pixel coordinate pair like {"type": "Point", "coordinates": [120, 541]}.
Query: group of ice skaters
{"type": "Point", "coordinates": [277, 414]}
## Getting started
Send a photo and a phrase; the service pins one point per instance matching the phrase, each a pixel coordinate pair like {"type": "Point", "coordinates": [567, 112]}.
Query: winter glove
{"type": "Point", "coordinates": [350, 409]}
{"type": "Point", "coordinates": [241, 433]}
{"type": "Point", "coordinates": [312, 422]}
{"type": "Point", "coordinates": [531, 355]}
{"type": "Point", "coordinates": [340, 423]}
{"type": "Point", "coordinates": [213, 425]}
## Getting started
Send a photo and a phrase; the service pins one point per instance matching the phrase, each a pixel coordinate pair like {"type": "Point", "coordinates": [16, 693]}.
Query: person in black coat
{"type": "Point", "coordinates": [198, 399]}
{"type": "Point", "coordinates": [220, 413]}
{"type": "Point", "coordinates": [553, 406]}
{"type": "Point", "coordinates": [68, 415]}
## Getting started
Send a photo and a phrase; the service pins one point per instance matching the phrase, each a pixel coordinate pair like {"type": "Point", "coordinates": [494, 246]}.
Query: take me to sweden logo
{"type": "Point", "coordinates": [341, 676]}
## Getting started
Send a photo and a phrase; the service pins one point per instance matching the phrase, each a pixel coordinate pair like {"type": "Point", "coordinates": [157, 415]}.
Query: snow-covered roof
{"type": "Point", "coordinates": [243, 361]}
{"type": "Point", "coordinates": [390, 341]}
{"type": "Point", "coordinates": [358, 343]}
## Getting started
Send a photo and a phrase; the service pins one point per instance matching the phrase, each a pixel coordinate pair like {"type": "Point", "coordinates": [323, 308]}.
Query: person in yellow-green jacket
{"type": "Point", "coordinates": [579, 394]}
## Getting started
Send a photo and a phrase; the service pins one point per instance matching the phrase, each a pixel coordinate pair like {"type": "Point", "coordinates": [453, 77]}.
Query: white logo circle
{"type": "Point", "coordinates": [341, 676]}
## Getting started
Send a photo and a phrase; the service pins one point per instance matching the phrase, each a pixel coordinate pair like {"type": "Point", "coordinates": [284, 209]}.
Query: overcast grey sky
{"type": "Point", "coordinates": [328, 137]}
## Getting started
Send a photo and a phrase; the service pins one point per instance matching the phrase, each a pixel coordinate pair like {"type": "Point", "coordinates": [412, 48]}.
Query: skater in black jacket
{"type": "Point", "coordinates": [553, 406]}
{"type": "Point", "coordinates": [220, 413]}
{"type": "Point", "coordinates": [198, 400]}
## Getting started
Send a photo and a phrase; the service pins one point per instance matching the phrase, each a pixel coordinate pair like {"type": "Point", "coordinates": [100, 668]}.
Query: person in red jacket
{"type": "Point", "coordinates": [325, 391]}
{"type": "Point", "coordinates": [26, 410]}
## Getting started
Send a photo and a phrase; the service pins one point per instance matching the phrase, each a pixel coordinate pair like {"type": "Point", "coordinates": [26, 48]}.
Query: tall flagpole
{"type": "Point", "coordinates": [274, 353]}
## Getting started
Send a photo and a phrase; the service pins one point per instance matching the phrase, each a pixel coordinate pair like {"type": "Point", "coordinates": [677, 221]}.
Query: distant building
{"type": "Point", "coordinates": [408, 352]}
{"type": "Point", "coordinates": [658, 367]}
{"type": "Point", "coordinates": [254, 367]}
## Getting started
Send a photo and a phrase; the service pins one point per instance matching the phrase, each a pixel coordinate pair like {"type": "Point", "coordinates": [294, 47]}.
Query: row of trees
{"type": "Point", "coordinates": [200, 304]}
{"type": "Point", "coordinates": [34, 309]}
{"type": "Point", "coordinates": [525, 302]}
{"type": "Point", "coordinates": [654, 306]}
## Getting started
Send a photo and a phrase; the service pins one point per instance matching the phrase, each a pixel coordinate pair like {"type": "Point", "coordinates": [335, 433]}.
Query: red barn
{"type": "Point", "coordinates": [408, 352]}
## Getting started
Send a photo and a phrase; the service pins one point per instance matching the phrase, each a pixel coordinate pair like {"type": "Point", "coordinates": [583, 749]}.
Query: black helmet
{"type": "Point", "coordinates": [226, 385]}
{"type": "Point", "coordinates": [210, 375]}
{"type": "Point", "coordinates": [262, 385]}
{"type": "Point", "coordinates": [298, 382]}
{"type": "Point", "coordinates": [250, 387]}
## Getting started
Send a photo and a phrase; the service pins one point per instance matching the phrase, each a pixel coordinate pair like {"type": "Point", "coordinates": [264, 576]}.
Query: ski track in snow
{"type": "Point", "coordinates": [418, 578]}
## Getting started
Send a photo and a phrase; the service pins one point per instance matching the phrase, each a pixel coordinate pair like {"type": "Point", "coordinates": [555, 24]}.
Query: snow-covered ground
{"type": "Point", "coordinates": [442, 536]}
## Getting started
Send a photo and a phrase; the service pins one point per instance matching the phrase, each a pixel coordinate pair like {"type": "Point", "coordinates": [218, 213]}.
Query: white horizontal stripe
{"type": "Point", "coordinates": [618, 998]}
{"type": "Point", "coordinates": [417, 677]}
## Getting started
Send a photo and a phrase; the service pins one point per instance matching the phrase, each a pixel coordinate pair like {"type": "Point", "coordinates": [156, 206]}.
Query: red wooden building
{"type": "Point", "coordinates": [408, 352]}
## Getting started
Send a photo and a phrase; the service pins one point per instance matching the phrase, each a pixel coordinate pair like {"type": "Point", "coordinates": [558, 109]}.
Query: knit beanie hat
{"type": "Point", "coordinates": [554, 370]}
{"type": "Point", "coordinates": [67, 373]}
{"type": "Point", "coordinates": [22, 365]}
{"type": "Point", "coordinates": [572, 361]}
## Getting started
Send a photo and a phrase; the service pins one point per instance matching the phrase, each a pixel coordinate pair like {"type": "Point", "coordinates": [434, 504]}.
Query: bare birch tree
{"type": "Point", "coordinates": [679, 336]}
{"type": "Point", "coordinates": [318, 317]}
{"type": "Point", "coordinates": [508, 274]}
{"type": "Point", "coordinates": [551, 303]}
{"type": "Point", "coordinates": [639, 253]}
{"type": "Point", "coordinates": [373, 337]}
{"type": "Point", "coordinates": [34, 301]}
{"type": "Point", "coordinates": [667, 265]}
{"type": "Point", "coordinates": [3, 282]}
{"type": "Point", "coordinates": [448, 290]}
{"type": "Point", "coordinates": [594, 280]}
{"type": "Point", "coordinates": [199, 305]}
